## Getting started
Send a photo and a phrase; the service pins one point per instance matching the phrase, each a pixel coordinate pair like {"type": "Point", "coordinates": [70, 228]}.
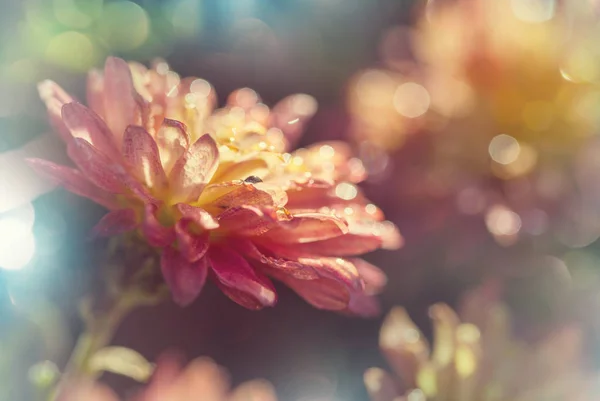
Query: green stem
{"type": "Point", "coordinates": [99, 329]}
{"type": "Point", "coordinates": [97, 334]}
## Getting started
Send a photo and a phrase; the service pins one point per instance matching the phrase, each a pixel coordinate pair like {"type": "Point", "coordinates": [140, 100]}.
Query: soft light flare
{"type": "Point", "coordinates": [346, 191]}
{"type": "Point", "coordinates": [504, 149]}
{"type": "Point", "coordinates": [533, 11]}
{"type": "Point", "coordinates": [502, 221]}
{"type": "Point", "coordinates": [411, 100]}
{"type": "Point", "coordinates": [18, 244]}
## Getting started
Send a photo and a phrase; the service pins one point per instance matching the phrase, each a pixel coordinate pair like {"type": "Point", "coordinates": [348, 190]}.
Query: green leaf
{"type": "Point", "coordinates": [122, 361]}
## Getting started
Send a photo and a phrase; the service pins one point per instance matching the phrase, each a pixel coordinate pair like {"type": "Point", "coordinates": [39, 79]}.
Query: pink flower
{"type": "Point", "coordinates": [202, 379]}
{"type": "Point", "coordinates": [217, 191]}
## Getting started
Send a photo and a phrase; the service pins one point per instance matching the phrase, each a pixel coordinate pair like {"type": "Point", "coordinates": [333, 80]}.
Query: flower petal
{"type": "Point", "coordinates": [73, 181]}
{"type": "Point", "coordinates": [403, 345]}
{"type": "Point", "coordinates": [202, 380]}
{"type": "Point", "coordinates": [156, 234]}
{"type": "Point", "coordinates": [141, 152]}
{"type": "Point", "coordinates": [199, 216]}
{"type": "Point", "coordinates": [95, 92]}
{"type": "Point", "coordinates": [115, 223]}
{"type": "Point", "coordinates": [254, 390]}
{"type": "Point", "coordinates": [55, 98]}
{"type": "Point", "coordinates": [322, 293]}
{"type": "Point", "coordinates": [339, 155]}
{"type": "Point", "coordinates": [308, 227]}
{"type": "Point", "coordinates": [343, 245]}
{"type": "Point", "coordinates": [363, 305]}
{"type": "Point", "coordinates": [194, 169]}
{"type": "Point", "coordinates": [96, 166]}
{"type": "Point", "coordinates": [239, 281]}
{"type": "Point", "coordinates": [311, 196]}
{"type": "Point", "coordinates": [248, 220]}
{"type": "Point", "coordinates": [105, 173]}
{"type": "Point", "coordinates": [289, 266]}
{"type": "Point", "coordinates": [291, 114]}
{"type": "Point", "coordinates": [245, 98]}
{"type": "Point", "coordinates": [185, 279]}
{"type": "Point", "coordinates": [240, 170]}
{"type": "Point", "coordinates": [172, 140]}
{"type": "Point", "coordinates": [84, 123]}
{"type": "Point", "coordinates": [192, 246]}
{"type": "Point", "coordinates": [373, 277]}
{"type": "Point", "coordinates": [120, 106]}
{"type": "Point", "coordinates": [337, 269]}
{"type": "Point", "coordinates": [238, 193]}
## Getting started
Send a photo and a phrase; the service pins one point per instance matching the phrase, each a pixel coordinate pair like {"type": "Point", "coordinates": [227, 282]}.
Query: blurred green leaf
{"type": "Point", "coordinates": [122, 361]}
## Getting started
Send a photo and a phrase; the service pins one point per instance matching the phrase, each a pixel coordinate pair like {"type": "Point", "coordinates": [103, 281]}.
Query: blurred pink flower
{"type": "Point", "coordinates": [202, 380]}
{"type": "Point", "coordinates": [217, 190]}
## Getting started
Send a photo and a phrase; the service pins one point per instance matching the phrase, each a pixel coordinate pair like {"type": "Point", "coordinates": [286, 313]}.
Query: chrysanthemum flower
{"type": "Point", "coordinates": [202, 379]}
{"type": "Point", "coordinates": [217, 191]}
{"type": "Point", "coordinates": [476, 359]}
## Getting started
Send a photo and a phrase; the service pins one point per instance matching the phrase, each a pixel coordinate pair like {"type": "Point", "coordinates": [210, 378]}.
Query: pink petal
{"type": "Point", "coordinates": [234, 194]}
{"type": "Point", "coordinates": [390, 236]}
{"type": "Point", "coordinates": [318, 196]}
{"type": "Point", "coordinates": [194, 169]}
{"type": "Point", "coordinates": [322, 293]}
{"type": "Point", "coordinates": [373, 277]}
{"type": "Point", "coordinates": [248, 220]}
{"type": "Point", "coordinates": [95, 92]}
{"type": "Point", "coordinates": [96, 166]}
{"type": "Point", "coordinates": [363, 305]}
{"type": "Point", "coordinates": [239, 281]}
{"type": "Point", "coordinates": [288, 266]}
{"type": "Point", "coordinates": [337, 269]}
{"type": "Point", "coordinates": [120, 106]}
{"type": "Point", "coordinates": [72, 180]}
{"type": "Point", "coordinates": [291, 115]}
{"type": "Point", "coordinates": [365, 234]}
{"type": "Point", "coordinates": [199, 216]}
{"type": "Point", "coordinates": [155, 233]}
{"type": "Point", "coordinates": [55, 97]}
{"type": "Point", "coordinates": [309, 227]}
{"type": "Point", "coordinates": [115, 223]}
{"type": "Point", "coordinates": [84, 123]}
{"type": "Point", "coordinates": [341, 291]}
{"type": "Point", "coordinates": [172, 140]}
{"type": "Point", "coordinates": [141, 152]}
{"type": "Point", "coordinates": [345, 169]}
{"type": "Point", "coordinates": [192, 246]}
{"type": "Point", "coordinates": [344, 245]}
{"type": "Point", "coordinates": [185, 279]}
{"type": "Point", "coordinates": [105, 173]}
{"type": "Point", "coordinates": [245, 98]}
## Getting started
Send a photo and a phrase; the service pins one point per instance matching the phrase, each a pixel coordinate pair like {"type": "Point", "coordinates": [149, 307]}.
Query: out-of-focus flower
{"type": "Point", "coordinates": [217, 190]}
{"type": "Point", "coordinates": [387, 106]}
{"type": "Point", "coordinates": [508, 95]}
{"type": "Point", "coordinates": [475, 358]}
{"type": "Point", "coordinates": [202, 379]}
{"type": "Point", "coordinates": [512, 56]}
